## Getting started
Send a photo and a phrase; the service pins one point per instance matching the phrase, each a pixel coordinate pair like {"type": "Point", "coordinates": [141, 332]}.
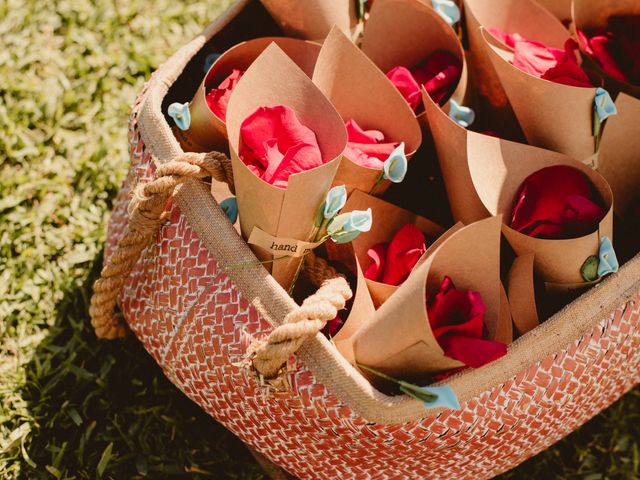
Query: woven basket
{"type": "Point", "coordinates": [196, 320]}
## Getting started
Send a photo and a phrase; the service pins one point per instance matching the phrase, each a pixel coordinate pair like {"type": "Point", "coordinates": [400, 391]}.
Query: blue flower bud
{"type": "Point", "coordinates": [607, 256]}
{"type": "Point", "coordinates": [230, 208]}
{"type": "Point", "coordinates": [395, 167]}
{"type": "Point", "coordinates": [463, 116]}
{"type": "Point", "coordinates": [336, 198]}
{"type": "Point", "coordinates": [603, 105]}
{"type": "Point", "coordinates": [448, 10]}
{"type": "Point", "coordinates": [180, 114]}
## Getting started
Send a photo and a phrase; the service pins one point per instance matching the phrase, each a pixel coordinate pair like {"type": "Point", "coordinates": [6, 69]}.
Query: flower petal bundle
{"type": "Point", "coordinates": [557, 202]}
{"type": "Point", "coordinates": [274, 144]}
{"type": "Point", "coordinates": [439, 74]}
{"type": "Point", "coordinates": [393, 261]}
{"type": "Point", "coordinates": [457, 321]}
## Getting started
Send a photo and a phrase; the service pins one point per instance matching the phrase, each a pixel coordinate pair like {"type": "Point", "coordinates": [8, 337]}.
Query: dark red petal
{"type": "Point", "coordinates": [405, 249]}
{"type": "Point", "coordinates": [377, 254]}
{"type": "Point", "coordinates": [473, 352]}
{"type": "Point", "coordinates": [556, 202]}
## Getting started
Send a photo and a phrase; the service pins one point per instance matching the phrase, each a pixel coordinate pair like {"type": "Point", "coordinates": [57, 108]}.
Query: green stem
{"type": "Point", "coordinates": [377, 184]}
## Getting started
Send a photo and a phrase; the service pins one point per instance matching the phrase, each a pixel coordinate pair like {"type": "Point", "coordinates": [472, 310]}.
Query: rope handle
{"type": "Point", "coordinates": [147, 213]}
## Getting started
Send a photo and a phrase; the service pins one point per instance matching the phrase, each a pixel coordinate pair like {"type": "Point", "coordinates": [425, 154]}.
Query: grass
{"type": "Point", "coordinates": [75, 407]}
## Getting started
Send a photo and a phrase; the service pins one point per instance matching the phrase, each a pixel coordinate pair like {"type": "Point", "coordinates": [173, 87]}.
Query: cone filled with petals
{"type": "Point", "coordinates": [286, 140]}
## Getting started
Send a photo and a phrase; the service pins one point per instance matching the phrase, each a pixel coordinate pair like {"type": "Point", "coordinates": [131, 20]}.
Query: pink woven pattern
{"type": "Point", "coordinates": [197, 324]}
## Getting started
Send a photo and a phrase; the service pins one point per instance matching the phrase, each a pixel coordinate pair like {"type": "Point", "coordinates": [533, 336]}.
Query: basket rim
{"type": "Point", "coordinates": [575, 321]}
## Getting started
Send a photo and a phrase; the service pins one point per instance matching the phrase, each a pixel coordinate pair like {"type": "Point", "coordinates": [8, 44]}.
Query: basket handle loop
{"type": "Point", "coordinates": [146, 214]}
{"type": "Point", "coordinates": [271, 354]}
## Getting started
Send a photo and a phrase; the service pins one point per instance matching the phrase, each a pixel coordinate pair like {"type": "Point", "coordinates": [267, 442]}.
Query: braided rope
{"type": "Point", "coordinates": [147, 213]}
{"type": "Point", "coordinates": [301, 324]}
{"type": "Point", "coordinates": [317, 269]}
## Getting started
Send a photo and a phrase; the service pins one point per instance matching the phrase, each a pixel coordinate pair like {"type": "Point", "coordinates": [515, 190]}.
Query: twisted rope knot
{"type": "Point", "coordinates": [147, 213]}
{"type": "Point", "coordinates": [299, 325]}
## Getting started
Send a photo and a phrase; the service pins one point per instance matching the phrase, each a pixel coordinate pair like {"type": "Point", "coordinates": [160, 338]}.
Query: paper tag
{"type": "Point", "coordinates": [280, 246]}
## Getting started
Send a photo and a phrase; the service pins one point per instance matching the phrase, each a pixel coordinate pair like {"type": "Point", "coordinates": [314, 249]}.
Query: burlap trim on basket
{"type": "Point", "coordinates": [319, 355]}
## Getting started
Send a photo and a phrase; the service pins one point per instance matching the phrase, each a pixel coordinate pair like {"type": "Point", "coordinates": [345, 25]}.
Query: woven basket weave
{"type": "Point", "coordinates": [196, 319]}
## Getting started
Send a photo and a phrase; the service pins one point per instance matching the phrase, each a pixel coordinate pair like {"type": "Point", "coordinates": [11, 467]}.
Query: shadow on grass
{"type": "Point", "coordinates": [104, 408]}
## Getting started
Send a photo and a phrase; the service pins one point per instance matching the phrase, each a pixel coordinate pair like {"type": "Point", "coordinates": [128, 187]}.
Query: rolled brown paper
{"type": "Point", "coordinates": [361, 312]}
{"type": "Point", "coordinates": [498, 168]}
{"type": "Point", "coordinates": [274, 79]}
{"type": "Point", "coordinates": [207, 131]}
{"type": "Point", "coordinates": [525, 17]}
{"type": "Point", "coordinates": [552, 115]}
{"type": "Point", "coordinates": [522, 296]}
{"type": "Point", "coordinates": [398, 339]}
{"type": "Point", "coordinates": [347, 78]}
{"type": "Point", "coordinates": [450, 140]}
{"type": "Point", "coordinates": [406, 32]}
{"type": "Point", "coordinates": [619, 159]}
{"type": "Point", "coordinates": [312, 19]}
{"type": "Point", "coordinates": [589, 14]}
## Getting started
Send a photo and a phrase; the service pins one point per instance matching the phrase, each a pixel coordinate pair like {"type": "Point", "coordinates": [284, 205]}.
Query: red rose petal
{"type": "Point", "coordinates": [367, 147]}
{"type": "Point", "coordinates": [218, 98]}
{"type": "Point", "coordinates": [403, 252]}
{"type": "Point", "coordinates": [274, 145]}
{"type": "Point", "coordinates": [403, 80]}
{"type": "Point", "coordinates": [457, 321]}
{"type": "Point", "coordinates": [556, 202]}
{"type": "Point", "coordinates": [377, 254]}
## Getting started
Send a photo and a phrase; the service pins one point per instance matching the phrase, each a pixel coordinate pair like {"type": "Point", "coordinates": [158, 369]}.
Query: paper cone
{"type": "Point", "coordinates": [312, 19]}
{"type": "Point", "coordinates": [406, 32]}
{"type": "Point", "coordinates": [207, 131]}
{"type": "Point", "coordinates": [498, 168]}
{"type": "Point", "coordinates": [387, 220]}
{"type": "Point", "coordinates": [553, 116]}
{"type": "Point", "coordinates": [274, 79]}
{"type": "Point", "coordinates": [589, 14]}
{"type": "Point", "coordinates": [361, 312]}
{"type": "Point", "coordinates": [398, 340]}
{"type": "Point", "coordinates": [450, 140]}
{"type": "Point", "coordinates": [561, 9]}
{"type": "Point", "coordinates": [347, 78]}
{"type": "Point", "coordinates": [512, 16]}
{"type": "Point", "coordinates": [522, 295]}
{"type": "Point", "coordinates": [618, 160]}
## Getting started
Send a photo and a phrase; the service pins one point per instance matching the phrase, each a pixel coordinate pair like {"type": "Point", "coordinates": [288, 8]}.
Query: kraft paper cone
{"type": "Point", "coordinates": [498, 168]}
{"type": "Point", "coordinates": [388, 219]}
{"type": "Point", "coordinates": [450, 140]}
{"type": "Point", "coordinates": [553, 116]}
{"type": "Point", "coordinates": [589, 14]}
{"type": "Point", "coordinates": [512, 16]}
{"type": "Point", "coordinates": [406, 32]}
{"type": "Point", "coordinates": [522, 295]}
{"type": "Point", "coordinates": [207, 131]}
{"type": "Point", "coordinates": [361, 312]}
{"type": "Point", "coordinates": [561, 9]}
{"type": "Point", "coordinates": [312, 19]}
{"type": "Point", "coordinates": [618, 160]}
{"type": "Point", "coordinates": [347, 78]}
{"type": "Point", "coordinates": [274, 79]}
{"type": "Point", "coordinates": [398, 340]}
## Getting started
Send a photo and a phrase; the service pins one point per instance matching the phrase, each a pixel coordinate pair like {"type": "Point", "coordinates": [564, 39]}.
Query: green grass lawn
{"type": "Point", "coordinates": [72, 406]}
